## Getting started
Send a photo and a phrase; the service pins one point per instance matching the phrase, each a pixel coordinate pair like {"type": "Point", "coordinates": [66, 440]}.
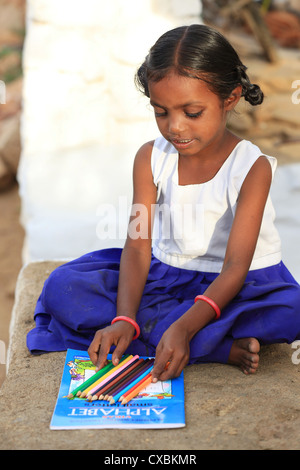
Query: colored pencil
{"type": "Point", "coordinates": [136, 391]}
{"type": "Point", "coordinates": [105, 377]}
{"type": "Point", "coordinates": [101, 392]}
{"type": "Point", "coordinates": [135, 383]}
{"type": "Point", "coordinates": [130, 391]}
{"type": "Point", "coordinates": [133, 375]}
{"type": "Point", "coordinates": [115, 373]}
{"type": "Point", "coordinates": [100, 396]}
{"type": "Point", "coordinates": [129, 383]}
{"type": "Point", "coordinates": [122, 373]}
{"type": "Point", "coordinates": [90, 381]}
{"type": "Point", "coordinates": [131, 386]}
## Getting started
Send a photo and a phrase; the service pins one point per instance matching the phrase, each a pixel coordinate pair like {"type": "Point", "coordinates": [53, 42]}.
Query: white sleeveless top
{"type": "Point", "coordinates": [192, 222]}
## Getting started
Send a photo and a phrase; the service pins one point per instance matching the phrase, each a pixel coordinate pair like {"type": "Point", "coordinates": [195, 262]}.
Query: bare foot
{"type": "Point", "coordinates": [244, 354]}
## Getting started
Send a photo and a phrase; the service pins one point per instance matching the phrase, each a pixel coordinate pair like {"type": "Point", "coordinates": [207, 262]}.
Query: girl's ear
{"type": "Point", "coordinates": [232, 100]}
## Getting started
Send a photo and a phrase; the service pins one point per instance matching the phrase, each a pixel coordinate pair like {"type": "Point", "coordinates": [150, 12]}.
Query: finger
{"type": "Point", "coordinates": [119, 351]}
{"type": "Point", "coordinates": [161, 363]}
{"type": "Point", "coordinates": [172, 370]}
{"type": "Point", "coordinates": [93, 349]}
{"type": "Point", "coordinates": [102, 354]}
{"type": "Point", "coordinates": [174, 367]}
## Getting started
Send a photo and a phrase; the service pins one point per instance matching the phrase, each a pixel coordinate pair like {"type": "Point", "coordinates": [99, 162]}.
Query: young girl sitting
{"type": "Point", "coordinates": [200, 278]}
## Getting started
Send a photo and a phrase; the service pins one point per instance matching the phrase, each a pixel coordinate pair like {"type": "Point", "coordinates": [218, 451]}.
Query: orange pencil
{"type": "Point", "coordinates": [136, 390]}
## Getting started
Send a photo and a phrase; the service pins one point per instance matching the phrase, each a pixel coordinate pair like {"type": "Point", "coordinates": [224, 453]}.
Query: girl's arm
{"type": "Point", "coordinates": [134, 265]}
{"type": "Point", "coordinates": [174, 345]}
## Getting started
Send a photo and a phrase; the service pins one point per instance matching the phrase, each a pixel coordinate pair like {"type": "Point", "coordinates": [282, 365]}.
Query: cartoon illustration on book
{"type": "Point", "coordinates": [78, 368]}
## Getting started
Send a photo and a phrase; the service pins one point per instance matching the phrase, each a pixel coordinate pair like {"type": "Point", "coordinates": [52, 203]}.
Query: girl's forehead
{"type": "Point", "coordinates": [181, 89]}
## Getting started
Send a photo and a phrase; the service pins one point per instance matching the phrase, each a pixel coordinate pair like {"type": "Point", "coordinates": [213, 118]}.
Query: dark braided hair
{"type": "Point", "coordinates": [198, 51]}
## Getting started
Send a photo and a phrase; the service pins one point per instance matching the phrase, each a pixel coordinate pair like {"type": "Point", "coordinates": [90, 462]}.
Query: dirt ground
{"type": "Point", "coordinates": [11, 242]}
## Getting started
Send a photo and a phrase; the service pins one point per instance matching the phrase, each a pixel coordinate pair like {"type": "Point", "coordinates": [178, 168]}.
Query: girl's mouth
{"type": "Point", "coordinates": [182, 143]}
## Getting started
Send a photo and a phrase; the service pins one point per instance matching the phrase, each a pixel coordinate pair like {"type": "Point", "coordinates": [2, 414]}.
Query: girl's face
{"type": "Point", "coordinates": [189, 114]}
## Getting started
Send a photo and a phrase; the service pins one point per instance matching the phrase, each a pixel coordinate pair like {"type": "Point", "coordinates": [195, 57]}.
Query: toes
{"type": "Point", "coordinates": [249, 363]}
{"type": "Point", "coordinates": [249, 367]}
{"type": "Point", "coordinates": [251, 359]}
{"type": "Point", "coordinates": [253, 346]}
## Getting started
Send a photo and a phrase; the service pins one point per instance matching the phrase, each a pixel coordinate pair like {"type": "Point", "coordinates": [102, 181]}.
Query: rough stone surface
{"type": "Point", "coordinates": [224, 408]}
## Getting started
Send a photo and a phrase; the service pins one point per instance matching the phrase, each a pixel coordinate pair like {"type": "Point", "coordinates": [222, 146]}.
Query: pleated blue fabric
{"type": "Point", "coordinates": [79, 298]}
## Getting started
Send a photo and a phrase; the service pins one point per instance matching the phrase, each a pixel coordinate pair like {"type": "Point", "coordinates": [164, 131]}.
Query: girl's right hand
{"type": "Point", "coordinates": [119, 334]}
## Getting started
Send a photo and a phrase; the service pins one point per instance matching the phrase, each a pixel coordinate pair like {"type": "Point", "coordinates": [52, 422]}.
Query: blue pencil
{"type": "Point", "coordinates": [116, 397]}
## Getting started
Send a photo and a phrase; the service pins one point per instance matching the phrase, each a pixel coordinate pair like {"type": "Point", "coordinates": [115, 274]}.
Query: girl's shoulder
{"type": "Point", "coordinates": [252, 152]}
{"type": "Point", "coordinates": [142, 162]}
{"type": "Point", "coordinates": [246, 155]}
{"type": "Point", "coordinates": [146, 149]}
{"type": "Point", "coordinates": [156, 153]}
{"type": "Point", "coordinates": [143, 155]}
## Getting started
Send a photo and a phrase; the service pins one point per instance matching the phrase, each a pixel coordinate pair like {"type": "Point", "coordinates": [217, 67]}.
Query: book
{"type": "Point", "coordinates": [159, 405]}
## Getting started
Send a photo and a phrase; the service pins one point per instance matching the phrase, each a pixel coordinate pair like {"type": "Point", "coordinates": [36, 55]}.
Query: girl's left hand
{"type": "Point", "coordinates": [172, 353]}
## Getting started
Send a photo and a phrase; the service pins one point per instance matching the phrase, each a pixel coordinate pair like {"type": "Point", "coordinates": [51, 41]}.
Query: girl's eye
{"type": "Point", "coordinates": [194, 115]}
{"type": "Point", "coordinates": [159, 114]}
{"type": "Point", "coordinates": [189, 115]}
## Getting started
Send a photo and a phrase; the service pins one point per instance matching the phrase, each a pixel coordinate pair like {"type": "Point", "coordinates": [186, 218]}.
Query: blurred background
{"type": "Point", "coordinates": [71, 119]}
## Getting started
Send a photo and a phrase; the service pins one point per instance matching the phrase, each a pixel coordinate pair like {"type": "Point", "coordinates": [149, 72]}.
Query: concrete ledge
{"type": "Point", "coordinates": [224, 408]}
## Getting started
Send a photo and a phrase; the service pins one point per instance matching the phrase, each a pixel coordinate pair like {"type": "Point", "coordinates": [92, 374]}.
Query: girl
{"type": "Point", "coordinates": [207, 284]}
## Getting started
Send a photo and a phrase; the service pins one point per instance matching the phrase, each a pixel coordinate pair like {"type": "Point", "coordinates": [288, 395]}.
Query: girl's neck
{"type": "Point", "coordinates": [199, 169]}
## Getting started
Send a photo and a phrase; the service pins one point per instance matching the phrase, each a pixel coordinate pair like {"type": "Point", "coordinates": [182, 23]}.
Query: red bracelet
{"type": "Point", "coordinates": [211, 303]}
{"type": "Point", "coordinates": [132, 322]}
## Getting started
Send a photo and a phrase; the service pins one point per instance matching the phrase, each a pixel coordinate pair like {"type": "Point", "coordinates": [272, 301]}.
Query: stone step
{"type": "Point", "coordinates": [225, 409]}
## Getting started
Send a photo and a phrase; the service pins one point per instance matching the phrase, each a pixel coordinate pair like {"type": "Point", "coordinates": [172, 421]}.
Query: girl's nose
{"type": "Point", "coordinates": [175, 125]}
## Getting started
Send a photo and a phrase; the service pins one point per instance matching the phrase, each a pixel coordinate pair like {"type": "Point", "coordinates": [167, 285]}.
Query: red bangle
{"type": "Point", "coordinates": [211, 303]}
{"type": "Point", "coordinates": [129, 320]}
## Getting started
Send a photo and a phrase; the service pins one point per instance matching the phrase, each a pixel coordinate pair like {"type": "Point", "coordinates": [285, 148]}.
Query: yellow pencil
{"type": "Point", "coordinates": [111, 371]}
{"type": "Point", "coordinates": [136, 391]}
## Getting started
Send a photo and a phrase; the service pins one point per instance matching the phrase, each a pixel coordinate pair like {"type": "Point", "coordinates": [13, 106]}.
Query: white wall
{"type": "Point", "coordinates": [83, 120]}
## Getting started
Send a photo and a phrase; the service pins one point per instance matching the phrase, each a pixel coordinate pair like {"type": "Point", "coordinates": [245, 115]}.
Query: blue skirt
{"type": "Point", "coordinates": [79, 298]}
